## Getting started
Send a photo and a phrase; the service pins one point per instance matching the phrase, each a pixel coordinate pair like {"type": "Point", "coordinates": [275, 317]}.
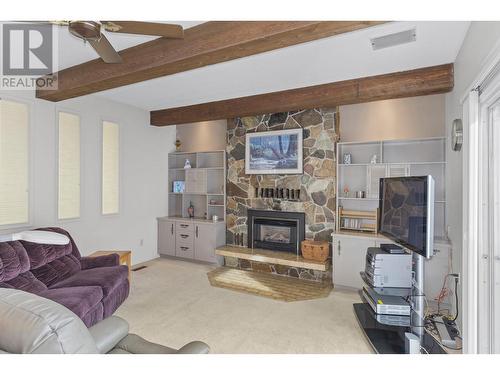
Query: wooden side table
{"type": "Point", "coordinates": [125, 257]}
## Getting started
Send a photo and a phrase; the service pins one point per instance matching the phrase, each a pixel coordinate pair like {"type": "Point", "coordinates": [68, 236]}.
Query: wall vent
{"type": "Point", "coordinates": [395, 39]}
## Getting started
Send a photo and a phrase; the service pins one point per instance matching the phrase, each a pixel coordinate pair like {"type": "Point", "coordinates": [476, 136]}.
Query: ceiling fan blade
{"type": "Point", "coordinates": [166, 30]}
{"type": "Point", "coordinates": [104, 49]}
{"type": "Point", "coordinates": [55, 23]}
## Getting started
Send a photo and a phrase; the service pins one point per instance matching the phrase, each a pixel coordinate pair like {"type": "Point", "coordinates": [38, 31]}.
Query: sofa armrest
{"type": "Point", "coordinates": [100, 261]}
{"type": "Point", "coordinates": [135, 344]}
{"type": "Point", "coordinates": [194, 347]}
{"type": "Point", "coordinates": [109, 332]}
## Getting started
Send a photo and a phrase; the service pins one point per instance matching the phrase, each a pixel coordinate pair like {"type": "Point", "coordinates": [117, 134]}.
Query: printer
{"type": "Point", "coordinates": [386, 270]}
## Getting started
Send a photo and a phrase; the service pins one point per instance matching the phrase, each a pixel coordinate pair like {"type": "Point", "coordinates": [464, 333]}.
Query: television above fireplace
{"type": "Point", "coordinates": [276, 230]}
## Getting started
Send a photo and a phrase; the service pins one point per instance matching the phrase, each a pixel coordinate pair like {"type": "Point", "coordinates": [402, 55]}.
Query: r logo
{"type": "Point", "coordinates": [27, 49]}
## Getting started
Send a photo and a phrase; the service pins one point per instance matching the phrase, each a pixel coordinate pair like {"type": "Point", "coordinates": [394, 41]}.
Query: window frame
{"type": "Point", "coordinates": [58, 110]}
{"type": "Point", "coordinates": [102, 120]}
{"type": "Point", "coordinates": [29, 223]}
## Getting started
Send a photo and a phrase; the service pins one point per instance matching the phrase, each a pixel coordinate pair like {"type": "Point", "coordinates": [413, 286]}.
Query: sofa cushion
{"type": "Point", "coordinates": [57, 270]}
{"type": "Point", "coordinates": [27, 282]}
{"type": "Point", "coordinates": [108, 278]}
{"type": "Point", "coordinates": [79, 299]}
{"type": "Point", "coordinates": [41, 254]}
{"type": "Point", "coordinates": [13, 260]}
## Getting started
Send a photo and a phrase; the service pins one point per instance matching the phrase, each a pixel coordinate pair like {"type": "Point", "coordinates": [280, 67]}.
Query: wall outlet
{"type": "Point", "coordinates": [457, 276]}
{"type": "Point", "coordinates": [141, 242]}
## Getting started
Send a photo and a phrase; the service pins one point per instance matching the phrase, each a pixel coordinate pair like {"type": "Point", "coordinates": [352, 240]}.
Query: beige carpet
{"type": "Point", "coordinates": [171, 302]}
{"type": "Point", "coordinates": [288, 289]}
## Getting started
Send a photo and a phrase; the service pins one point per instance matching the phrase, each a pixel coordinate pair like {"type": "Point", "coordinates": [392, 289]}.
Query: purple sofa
{"type": "Point", "coordinates": [92, 288]}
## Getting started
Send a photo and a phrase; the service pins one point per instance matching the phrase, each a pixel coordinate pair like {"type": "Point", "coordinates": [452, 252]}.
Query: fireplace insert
{"type": "Point", "coordinates": [276, 230]}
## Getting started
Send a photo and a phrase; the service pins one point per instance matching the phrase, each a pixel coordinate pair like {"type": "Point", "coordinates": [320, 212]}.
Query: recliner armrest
{"type": "Point", "coordinates": [109, 332]}
{"type": "Point", "coordinates": [109, 260]}
{"type": "Point", "coordinates": [194, 347]}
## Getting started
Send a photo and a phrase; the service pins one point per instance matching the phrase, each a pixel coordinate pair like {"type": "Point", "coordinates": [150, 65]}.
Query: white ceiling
{"type": "Point", "coordinates": [73, 51]}
{"type": "Point", "coordinates": [326, 60]}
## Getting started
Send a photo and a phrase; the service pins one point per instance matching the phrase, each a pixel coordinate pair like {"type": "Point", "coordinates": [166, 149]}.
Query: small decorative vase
{"type": "Point", "coordinates": [187, 164]}
{"type": "Point", "coordinates": [347, 158]}
{"type": "Point", "coordinates": [178, 144]}
{"type": "Point", "coordinates": [190, 210]}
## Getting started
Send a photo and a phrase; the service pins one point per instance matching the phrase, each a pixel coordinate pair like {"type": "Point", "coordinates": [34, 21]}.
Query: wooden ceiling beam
{"type": "Point", "coordinates": [424, 81]}
{"type": "Point", "coordinates": [204, 44]}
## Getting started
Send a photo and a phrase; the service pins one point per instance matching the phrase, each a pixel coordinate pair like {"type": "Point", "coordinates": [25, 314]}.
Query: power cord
{"type": "Point", "coordinates": [456, 297]}
{"type": "Point", "coordinates": [445, 291]}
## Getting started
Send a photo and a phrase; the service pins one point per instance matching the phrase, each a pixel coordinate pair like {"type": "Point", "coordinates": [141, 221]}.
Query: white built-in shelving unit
{"type": "Point", "coordinates": [205, 184]}
{"type": "Point", "coordinates": [413, 157]}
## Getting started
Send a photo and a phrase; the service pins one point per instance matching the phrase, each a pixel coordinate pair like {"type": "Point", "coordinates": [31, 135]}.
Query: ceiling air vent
{"type": "Point", "coordinates": [395, 39]}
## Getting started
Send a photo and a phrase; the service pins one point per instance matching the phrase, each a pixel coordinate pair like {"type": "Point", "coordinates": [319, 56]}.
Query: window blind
{"type": "Point", "coordinates": [14, 159]}
{"type": "Point", "coordinates": [110, 168]}
{"type": "Point", "coordinates": [69, 166]}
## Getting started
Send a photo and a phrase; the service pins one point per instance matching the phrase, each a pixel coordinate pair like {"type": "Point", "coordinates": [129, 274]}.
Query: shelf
{"type": "Point", "coordinates": [205, 181]}
{"type": "Point", "coordinates": [374, 199]}
{"type": "Point", "coordinates": [358, 217]}
{"type": "Point", "coordinates": [358, 199]}
{"type": "Point", "coordinates": [185, 193]}
{"type": "Point", "coordinates": [208, 168]}
{"type": "Point", "coordinates": [392, 141]}
{"type": "Point", "coordinates": [368, 230]}
{"type": "Point", "coordinates": [401, 163]}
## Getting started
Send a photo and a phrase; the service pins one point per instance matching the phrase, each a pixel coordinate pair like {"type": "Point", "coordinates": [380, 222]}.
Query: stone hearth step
{"type": "Point", "coordinates": [273, 257]}
{"type": "Point", "coordinates": [282, 288]}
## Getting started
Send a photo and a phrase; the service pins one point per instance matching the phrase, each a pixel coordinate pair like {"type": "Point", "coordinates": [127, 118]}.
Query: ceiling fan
{"type": "Point", "coordinates": [92, 32]}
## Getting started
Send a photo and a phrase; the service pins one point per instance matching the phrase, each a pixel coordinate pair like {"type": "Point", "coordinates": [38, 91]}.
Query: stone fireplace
{"type": "Point", "coordinates": [276, 230]}
{"type": "Point", "coordinates": [316, 185]}
{"type": "Point", "coordinates": [316, 200]}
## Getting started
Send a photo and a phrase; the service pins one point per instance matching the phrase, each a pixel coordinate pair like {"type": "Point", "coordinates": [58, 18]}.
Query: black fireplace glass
{"type": "Point", "coordinates": [276, 230]}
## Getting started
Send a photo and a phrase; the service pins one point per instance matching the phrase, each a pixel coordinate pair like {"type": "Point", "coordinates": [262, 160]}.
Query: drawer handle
{"type": "Point", "coordinates": [184, 235]}
{"type": "Point", "coordinates": [172, 228]}
{"type": "Point", "coordinates": [184, 248]}
{"type": "Point", "coordinates": [184, 225]}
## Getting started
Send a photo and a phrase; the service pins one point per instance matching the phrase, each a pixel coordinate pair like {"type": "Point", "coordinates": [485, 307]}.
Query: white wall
{"type": "Point", "coordinates": [478, 43]}
{"type": "Point", "coordinates": [407, 118]}
{"type": "Point", "coordinates": [143, 173]}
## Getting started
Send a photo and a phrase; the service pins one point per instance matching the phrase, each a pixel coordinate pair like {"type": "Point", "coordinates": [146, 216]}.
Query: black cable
{"type": "Point", "coordinates": [456, 299]}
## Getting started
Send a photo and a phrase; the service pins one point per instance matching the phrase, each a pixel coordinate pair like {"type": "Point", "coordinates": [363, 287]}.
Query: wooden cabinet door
{"type": "Point", "coordinates": [205, 242]}
{"type": "Point", "coordinates": [349, 254]}
{"type": "Point", "coordinates": [166, 237]}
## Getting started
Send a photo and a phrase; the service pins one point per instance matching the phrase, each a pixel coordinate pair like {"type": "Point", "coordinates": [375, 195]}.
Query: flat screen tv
{"type": "Point", "coordinates": [407, 212]}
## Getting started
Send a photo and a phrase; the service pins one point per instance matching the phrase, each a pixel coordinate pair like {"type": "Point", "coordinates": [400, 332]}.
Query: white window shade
{"type": "Point", "coordinates": [14, 168]}
{"type": "Point", "coordinates": [110, 168]}
{"type": "Point", "coordinates": [69, 166]}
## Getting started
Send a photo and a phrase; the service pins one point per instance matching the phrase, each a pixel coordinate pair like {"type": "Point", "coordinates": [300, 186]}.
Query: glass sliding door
{"type": "Point", "coordinates": [488, 308]}
{"type": "Point", "coordinates": [494, 130]}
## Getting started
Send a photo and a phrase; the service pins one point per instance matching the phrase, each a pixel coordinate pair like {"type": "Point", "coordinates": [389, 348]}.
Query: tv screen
{"type": "Point", "coordinates": [407, 212]}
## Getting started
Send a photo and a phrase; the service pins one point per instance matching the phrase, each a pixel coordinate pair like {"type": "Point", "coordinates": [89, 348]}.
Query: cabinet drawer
{"type": "Point", "coordinates": [184, 250]}
{"type": "Point", "coordinates": [184, 228]}
{"type": "Point", "coordinates": [185, 237]}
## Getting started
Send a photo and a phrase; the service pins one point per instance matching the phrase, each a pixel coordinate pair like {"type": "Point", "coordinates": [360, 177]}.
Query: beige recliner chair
{"type": "Point", "coordinates": [33, 324]}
